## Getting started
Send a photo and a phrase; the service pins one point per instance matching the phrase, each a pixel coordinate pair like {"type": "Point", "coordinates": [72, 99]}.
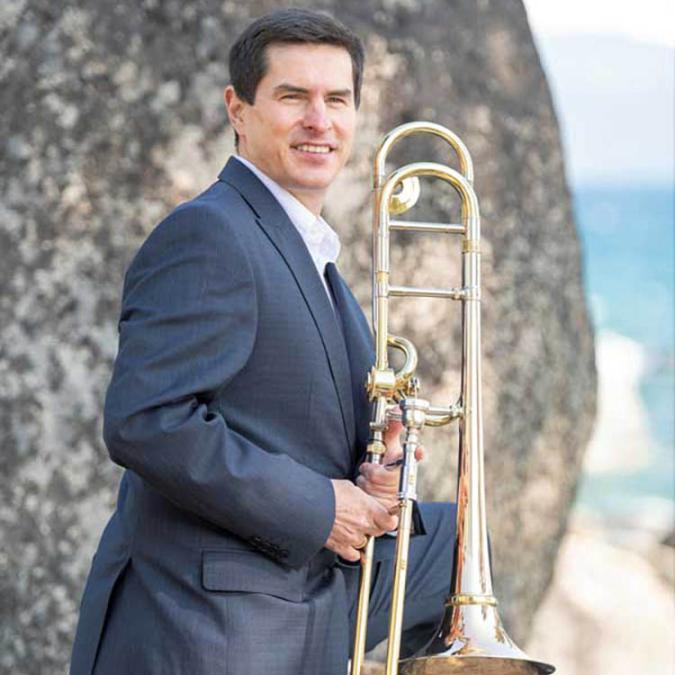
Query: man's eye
{"type": "Point", "coordinates": [290, 97]}
{"type": "Point", "coordinates": [337, 99]}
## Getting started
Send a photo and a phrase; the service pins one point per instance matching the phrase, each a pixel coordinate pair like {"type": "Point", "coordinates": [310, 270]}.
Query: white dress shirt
{"type": "Point", "coordinates": [321, 240]}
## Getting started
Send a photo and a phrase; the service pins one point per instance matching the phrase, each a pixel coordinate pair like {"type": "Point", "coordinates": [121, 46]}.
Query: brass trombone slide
{"type": "Point", "coordinates": [471, 638]}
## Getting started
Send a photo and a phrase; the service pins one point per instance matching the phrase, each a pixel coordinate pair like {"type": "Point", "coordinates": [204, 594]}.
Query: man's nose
{"type": "Point", "coordinates": [316, 115]}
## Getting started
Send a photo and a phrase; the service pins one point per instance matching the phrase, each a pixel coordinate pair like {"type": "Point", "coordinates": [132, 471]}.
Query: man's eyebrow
{"type": "Point", "coordinates": [340, 92]}
{"type": "Point", "coordinates": [292, 89]}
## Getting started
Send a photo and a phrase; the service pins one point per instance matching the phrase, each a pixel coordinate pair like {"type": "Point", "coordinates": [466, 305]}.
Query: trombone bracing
{"type": "Point", "coordinates": [471, 638]}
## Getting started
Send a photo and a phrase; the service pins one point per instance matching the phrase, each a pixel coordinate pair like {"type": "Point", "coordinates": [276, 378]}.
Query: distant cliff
{"type": "Point", "coordinates": [112, 113]}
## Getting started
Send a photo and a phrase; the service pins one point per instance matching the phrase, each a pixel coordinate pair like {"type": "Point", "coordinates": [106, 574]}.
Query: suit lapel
{"type": "Point", "coordinates": [274, 221]}
{"type": "Point", "coordinates": [360, 348]}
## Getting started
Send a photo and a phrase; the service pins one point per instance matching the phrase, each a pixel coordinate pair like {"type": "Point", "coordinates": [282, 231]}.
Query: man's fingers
{"type": "Point", "coordinates": [393, 454]}
{"type": "Point", "coordinates": [394, 428]}
{"type": "Point", "coordinates": [385, 495]}
{"type": "Point", "coordinates": [359, 541]}
{"type": "Point", "coordinates": [393, 460]}
{"type": "Point", "coordinates": [378, 474]}
{"type": "Point", "coordinates": [381, 520]}
{"type": "Point", "coordinates": [350, 553]}
{"type": "Point", "coordinates": [386, 521]}
{"type": "Point", "coordinates": [359, 514]}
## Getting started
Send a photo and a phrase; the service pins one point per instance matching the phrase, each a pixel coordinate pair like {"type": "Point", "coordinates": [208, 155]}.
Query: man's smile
{"type": "Point", "coordinates": [314, 148]}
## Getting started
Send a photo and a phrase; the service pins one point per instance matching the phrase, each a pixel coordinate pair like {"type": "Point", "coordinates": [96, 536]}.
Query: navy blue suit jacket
{"type": "Point", "coordinates": [235, 398]}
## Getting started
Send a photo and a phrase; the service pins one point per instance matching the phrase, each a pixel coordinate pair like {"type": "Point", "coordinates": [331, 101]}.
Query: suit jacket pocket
{"type": "Point", "coordinates": [250, 572]}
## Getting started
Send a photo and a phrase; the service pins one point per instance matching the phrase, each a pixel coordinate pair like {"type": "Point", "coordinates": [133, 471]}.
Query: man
{"type": "Point", "coordinates": [237, 405]}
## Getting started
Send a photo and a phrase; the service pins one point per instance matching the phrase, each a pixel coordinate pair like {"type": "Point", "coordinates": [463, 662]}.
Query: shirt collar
{"type": "Point", "coordinates": [319, 237]}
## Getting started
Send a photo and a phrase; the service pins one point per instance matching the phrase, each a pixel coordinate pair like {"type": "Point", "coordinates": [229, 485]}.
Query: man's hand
{"type": "Point", "coordinates": [357, 515]}
{"type": "Point", "coordinates": [381, 481]}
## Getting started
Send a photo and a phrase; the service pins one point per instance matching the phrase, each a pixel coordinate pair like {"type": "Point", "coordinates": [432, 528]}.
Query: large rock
{"type": "Point", "coordinates": [112, 114]}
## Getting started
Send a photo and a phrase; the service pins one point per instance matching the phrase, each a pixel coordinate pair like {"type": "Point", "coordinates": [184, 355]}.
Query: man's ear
{"type": "Point", "coordinates": [235, 108]}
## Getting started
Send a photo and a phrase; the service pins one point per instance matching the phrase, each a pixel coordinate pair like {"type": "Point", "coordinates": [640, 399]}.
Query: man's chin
{"type": "Point", "coordinates": [309, 181]}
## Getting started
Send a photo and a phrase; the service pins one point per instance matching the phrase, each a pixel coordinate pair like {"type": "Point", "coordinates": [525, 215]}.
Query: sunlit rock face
{"type": "Point", "coordinates": [112, 114]}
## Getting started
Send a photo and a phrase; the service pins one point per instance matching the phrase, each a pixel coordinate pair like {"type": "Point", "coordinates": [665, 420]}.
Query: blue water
{"type": "Point", "coordinates": [627, 234]}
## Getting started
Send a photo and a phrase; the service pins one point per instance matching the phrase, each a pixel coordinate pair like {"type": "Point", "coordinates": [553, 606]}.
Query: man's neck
{"type": "Point", "coordinates": [310, 199]}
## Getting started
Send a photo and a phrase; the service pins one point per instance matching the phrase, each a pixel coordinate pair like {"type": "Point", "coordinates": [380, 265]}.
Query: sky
{"type": "Point", "coordinates": [647, 21]}
{"type": "Point", "coordinates": [611, 69]}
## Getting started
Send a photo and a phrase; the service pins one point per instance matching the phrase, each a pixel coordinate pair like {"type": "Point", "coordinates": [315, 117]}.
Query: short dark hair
{"type": "Point", "coordinates": [248, 63]}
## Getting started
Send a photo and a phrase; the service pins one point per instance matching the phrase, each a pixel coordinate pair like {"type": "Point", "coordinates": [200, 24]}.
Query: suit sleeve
{"type": "Point", "coordinates": [187, 327]}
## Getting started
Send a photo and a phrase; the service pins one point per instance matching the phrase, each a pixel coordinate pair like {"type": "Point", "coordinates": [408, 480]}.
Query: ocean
{"type": "Point", "coordinates": [628, 251]}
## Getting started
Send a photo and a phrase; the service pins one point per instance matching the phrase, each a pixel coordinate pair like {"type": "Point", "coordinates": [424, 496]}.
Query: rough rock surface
{"type": "Point", "coordinates": [112, 114]}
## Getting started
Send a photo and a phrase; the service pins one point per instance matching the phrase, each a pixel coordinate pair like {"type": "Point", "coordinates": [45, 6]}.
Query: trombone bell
{"type": "Point", "coordinates": [476, 643]}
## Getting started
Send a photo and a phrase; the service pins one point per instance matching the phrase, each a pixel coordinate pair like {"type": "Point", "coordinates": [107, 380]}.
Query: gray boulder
{"type": "Point", "coordinates": [112, 114]}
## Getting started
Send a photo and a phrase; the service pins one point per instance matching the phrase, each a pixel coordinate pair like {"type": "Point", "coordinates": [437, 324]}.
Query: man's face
{"type": "Point", "coordinates": [300, 129]}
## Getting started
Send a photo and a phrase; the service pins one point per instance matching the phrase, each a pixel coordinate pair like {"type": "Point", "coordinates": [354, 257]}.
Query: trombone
{"type": "Point", "coordinates": [471, 638]}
